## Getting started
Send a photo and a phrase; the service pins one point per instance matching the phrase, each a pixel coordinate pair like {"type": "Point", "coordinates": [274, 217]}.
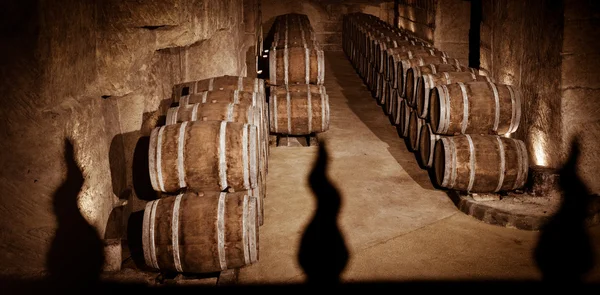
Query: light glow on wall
{"type": "Point", "coordinates": [538, 141]}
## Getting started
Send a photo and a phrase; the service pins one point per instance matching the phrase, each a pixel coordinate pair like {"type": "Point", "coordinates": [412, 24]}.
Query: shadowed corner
{"type": "Point", "coordinates": [564, 251]}
{"type": "Point", "coordinates": [76, 256]}
{"type": "Point", "coordinates": [323, 254]}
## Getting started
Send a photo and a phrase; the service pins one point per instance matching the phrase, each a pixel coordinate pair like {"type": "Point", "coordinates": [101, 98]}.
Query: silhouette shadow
{"type": "Point", "coordinates": [76, 255]}
{"type": "Point", "coordinates": [323, 254]}
{"type": "Point", "coordinates": [564, 251]}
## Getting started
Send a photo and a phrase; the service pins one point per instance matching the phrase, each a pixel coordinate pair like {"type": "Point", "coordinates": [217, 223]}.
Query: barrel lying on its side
{"type": "Point", "coordinates": [226, 82]}
{"type": "Point", "coordinates": [201, 232]}
{"type": "Point", "coordinates": [427, 140]}
{"type": "Point", "coordinates": [480, 163]}
{"type": "Point", "coordinates": [474, 108]}
{"type": "Point", "coordinates": [204, 155]}
{"type": "Point", "coordinates": [296, 65]}
{"type": "Point", "coordinates": [429, 81]}
{"type": "Point", "coordinates": [298, 113]}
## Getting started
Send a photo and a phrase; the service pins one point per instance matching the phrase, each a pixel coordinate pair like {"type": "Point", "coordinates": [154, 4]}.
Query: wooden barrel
{"type": "Point", "coordinates": [474, 108]}
{"type": "Point", "coordinates": [204, 155]}
{"type": "Point", "coordinates": [414, 130]}
{"type": "Point", "coordinates": [226, 82]}
{"type": "Point", "coordinates": [480, 163]}
{"type": "Point", "coordinates": [406, 64]}
{"type": "Point", "coordinates": [231, 96]}
{"type": "Point", "coordinates": [429, 81]}
{"type": "Point", "coordinates": [293, 32]}
{"type": "Point", "coordinates": [413, 74]}
{"type": "Point", "coordinates": [396, 101]}
{"type": "Point", "coordinates": [281, 90]}
{"type": "Point", "coordinates": [380, 88]}
{"type": "Point", "coordinates": [427, 140]}
{"type": "Point", "coordinates": [230, 112]}
{"type": "Point", "coordinates": [403, 118]}
{"type": "Point", "coordinates": [298, 113]}
{"type": "Point", "coordinates": [200, 232]}
{"type": "Point", "coordinates": [389, 97]}
{"type": "Point", "coordinates": [296, 65]}
{"type": "Point", "coordinates": [395, 56]}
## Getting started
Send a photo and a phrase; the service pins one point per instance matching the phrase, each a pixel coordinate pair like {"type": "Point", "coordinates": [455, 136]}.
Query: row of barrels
{"type": "Point", "coordinates": [456, 119]}
{"type": "Point", "coordinates": [209, 160]}
{"type": "Point", "coordinates": [295, 56]}
{"type": "Point", "coordinates": [298, 100]}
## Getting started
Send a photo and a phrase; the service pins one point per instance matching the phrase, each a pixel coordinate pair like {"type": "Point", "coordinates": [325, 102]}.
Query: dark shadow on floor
{"type": "Point", "coordinates": [564, 253]}
{"type": "Point", "coordinates": [365, 106]}
{"type": "Point", "coordinates": [323, 254]}
{"type": "Point", "coordinates": [76, 256]}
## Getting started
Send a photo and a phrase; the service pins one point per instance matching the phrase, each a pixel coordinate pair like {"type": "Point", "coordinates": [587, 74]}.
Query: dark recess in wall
{"type": "Point", "coordinates": [475, 34]}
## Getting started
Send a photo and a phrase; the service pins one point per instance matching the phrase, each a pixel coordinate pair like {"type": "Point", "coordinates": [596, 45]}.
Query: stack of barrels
{"type": "Point", "coordinates": [456, 119]}
{"type": "Point", "coordinates": [209, 161]}
{"type": "Point", "coordinates": [298, 101]}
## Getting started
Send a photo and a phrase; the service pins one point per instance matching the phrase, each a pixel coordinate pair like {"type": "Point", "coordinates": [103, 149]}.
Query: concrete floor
{"type": "Point", "coordinates": [396, 225]}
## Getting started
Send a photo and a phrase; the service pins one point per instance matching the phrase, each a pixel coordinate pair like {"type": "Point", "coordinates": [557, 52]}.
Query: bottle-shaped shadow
{"type": "Point", "coordinates": [76, 256]}
{"type": "Point", "coordinates": [323, 254]}
{"type": "Point", "coordinates": [564, 251]}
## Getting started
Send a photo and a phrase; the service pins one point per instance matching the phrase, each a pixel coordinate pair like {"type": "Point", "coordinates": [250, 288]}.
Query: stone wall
{"type": "Point", "coordinates": [325, 16]}
{"type": "Point", "coordinates": [521, 44]}
{"type": "Point", "coordinates": [580, 85]}
{"type": "Point", "coordinates": [96, 74]}
{"type": "Point", "coordinates": [444, 23]}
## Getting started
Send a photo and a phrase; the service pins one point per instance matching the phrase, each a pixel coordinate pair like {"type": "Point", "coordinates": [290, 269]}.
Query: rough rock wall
{"type": "Point", "coordinates": [580, 90]}
{"type": "Point", "coordinates": [418, 16]}
{"type": "Point", "coordinates": [96, 74]}
{"type": "Point", "coordinates": [451, 34]}
{"type": "Point", "coordinates": [325, 16]}
{"type": "Point", "coordinates": [444, 23]}
{"type": "Point", "coordinates": [521, 43]}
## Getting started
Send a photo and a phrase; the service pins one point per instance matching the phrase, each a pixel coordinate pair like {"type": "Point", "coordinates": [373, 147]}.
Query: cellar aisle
{"type": "Point", "coordinates": [396, 225]}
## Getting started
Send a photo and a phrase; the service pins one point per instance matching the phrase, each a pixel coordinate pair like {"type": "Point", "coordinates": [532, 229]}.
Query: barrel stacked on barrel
{"type": "Point", "coordinates": [456, 119]}
{"type": "Point", "coordinates": [298, 101]}
{"type": "Point", "coordinates": [209, 161]}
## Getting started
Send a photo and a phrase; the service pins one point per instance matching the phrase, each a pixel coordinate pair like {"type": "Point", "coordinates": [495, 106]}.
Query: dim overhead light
{"type": "Point", "coordinates": [259, 72]}
{"type": "Point", "coordinates": [266, 50]}
{"type": "Point", "coordinates": [265, 56]}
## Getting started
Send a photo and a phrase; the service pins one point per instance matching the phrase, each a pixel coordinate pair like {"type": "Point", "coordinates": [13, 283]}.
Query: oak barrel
{"type": "Point", "coordinates": [480, 163]}
{"type": "Point", "coordinates": [414, 130]}
{"type": "Point", "coordinates": [230, 112]}
{"type": "Point", "coordinates": [201, 232]}
{"type": "Point", "coordinates": [414, 73]}
{"type": "Point", "coordinates": [296, 65]}
{"type": "Point", "coordinates": [254, 99]}
{"type": "Point", "coordinates": [389, 97]}
{"type": "Point", "coordinates": [406, 64]}
{"type": "Point", "coordinates": [225, 82]}
{"type": "Point", "coordinates": [403, 118]}
{"type": "Point", "coordinates": [395, 56]}
{"type": "Point", "coordinates": [204, 155]}
{"type": "Point", "coordinates": [475, 108]}
{"type": "Point", "coordinates": [429, 81]}
{"type": "Point", "coordinates": [293, 32]}
{"type": "Point", "coordinates": [298, 113]}
{"type": "Point", "coordinates": [427, 140]}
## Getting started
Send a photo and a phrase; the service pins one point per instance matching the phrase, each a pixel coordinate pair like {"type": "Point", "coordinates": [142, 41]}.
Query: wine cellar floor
{"type": "Point", "coordinates": [396, 226]}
